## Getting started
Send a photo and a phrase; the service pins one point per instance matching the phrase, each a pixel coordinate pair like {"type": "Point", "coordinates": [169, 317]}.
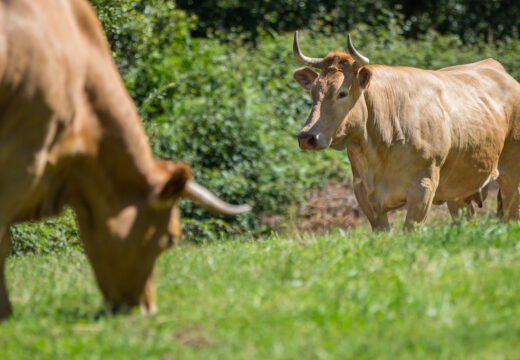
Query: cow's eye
{"type": "Point", "coordinates": [342, 94]}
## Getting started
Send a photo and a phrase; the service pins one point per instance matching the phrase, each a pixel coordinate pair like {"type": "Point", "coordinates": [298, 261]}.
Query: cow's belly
{"type": "Point", "coordinates": [458, 180]}
{"type": "Point", "coordinates": [477, 140]}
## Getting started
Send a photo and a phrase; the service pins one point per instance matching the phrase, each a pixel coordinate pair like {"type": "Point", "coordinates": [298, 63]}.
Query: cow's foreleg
{"type": "Point", "coordinates": [5, 247]}
{"type": "Point", "coordinates": [378, 222]}
{"type": "Point", "coordinates": [420, 196]}
{"type": "Point", "coordinates": [457, 206]}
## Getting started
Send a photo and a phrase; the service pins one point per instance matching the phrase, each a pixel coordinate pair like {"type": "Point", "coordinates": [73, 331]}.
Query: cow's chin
{"type": "Point", "coordinates": [315, 149]}
{"type": "Point", "coordinates": [124, 285]}
{"type": "Point", "coordinates": [145, 300]}
{"type": "Point", "coordinates": [338, 144]}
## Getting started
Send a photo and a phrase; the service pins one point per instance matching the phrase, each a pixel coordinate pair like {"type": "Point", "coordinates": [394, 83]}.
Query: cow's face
{"type": "Point", "coordinates": [335, 91]}
{"type": "Point", "coordinates": [124, 239]}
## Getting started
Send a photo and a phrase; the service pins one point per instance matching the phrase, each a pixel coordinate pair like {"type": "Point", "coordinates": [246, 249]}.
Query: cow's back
{"type": "Point", "coordinates": [459, 117]}
{"type": "Point", "coordinates": [484, 99]}
{"type": "Point", "coordinates": [44, 52]}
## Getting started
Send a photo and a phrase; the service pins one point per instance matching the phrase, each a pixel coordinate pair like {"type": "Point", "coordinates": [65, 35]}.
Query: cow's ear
{"type": "Point", "coordinates": [172, 189]}
{"type": "Point", "coordinates": [305, 77]}
{"type": "Point", "coordinates": [364, 76]}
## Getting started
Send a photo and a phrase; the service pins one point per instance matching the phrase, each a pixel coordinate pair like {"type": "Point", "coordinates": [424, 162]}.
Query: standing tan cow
{"type": "Point", "coordinates": [415, 136]}
{"type": "Point", "coordinates": [71, 135]}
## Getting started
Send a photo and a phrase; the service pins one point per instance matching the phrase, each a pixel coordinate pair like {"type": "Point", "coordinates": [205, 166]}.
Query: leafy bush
{"type": "Point", "coordinates": [140, 33]}
{"type": "Point", "coordinates": [140, 30]}
{"type": "Point", "coordinates": [47, 236]}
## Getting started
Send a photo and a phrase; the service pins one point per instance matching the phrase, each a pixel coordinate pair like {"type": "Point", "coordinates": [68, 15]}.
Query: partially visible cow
{"type": "Point", "coordinates": [71, 135]}
{"type": "Point", "coordinates": [415, 137]}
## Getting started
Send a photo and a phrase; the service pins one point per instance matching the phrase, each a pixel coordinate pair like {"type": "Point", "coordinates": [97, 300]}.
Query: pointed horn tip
{"type": "Point", "coordinates": [210, 201]}
{"type": "Point", "coordinates": [240, 209]}
{"type": "Point", "coordinates": [233, 210]}
{"type": "Point", "coordinates": [363, 60]}
{"type": "Point", "coordinates": [305, 60]}
{"type": "Point", "coordinates": [296, 46]}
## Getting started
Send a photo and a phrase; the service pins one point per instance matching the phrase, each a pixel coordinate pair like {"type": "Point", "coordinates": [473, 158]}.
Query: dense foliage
{"type": "Point", "coordinates": [232, 110]}
{"type": "Point", "coordinates": [471, 20]}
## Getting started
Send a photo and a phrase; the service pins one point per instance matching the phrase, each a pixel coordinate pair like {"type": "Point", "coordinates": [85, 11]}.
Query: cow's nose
{"type": "Point", "coordinates": [307, 141]}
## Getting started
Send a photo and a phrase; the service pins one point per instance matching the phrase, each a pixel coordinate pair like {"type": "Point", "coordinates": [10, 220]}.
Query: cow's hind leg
{"type": "Point", "coordinates": [457, 207]}
{"type": "Point", "coordinates": [420, 196]}
{"type": "Point", "coordinates": [500, 207]}
{"type": "Point", "coordinates": [508, 180]}
{"type": "Point", "coordinates": [507, 207]}
{"type": "Point", "coordinates": [377, 222]}
{"type": "Point", "coordinates": [5, 247]}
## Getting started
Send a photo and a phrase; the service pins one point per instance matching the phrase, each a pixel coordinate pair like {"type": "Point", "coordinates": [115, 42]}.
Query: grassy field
{"type": "Point", "coordinates": [443, 292]}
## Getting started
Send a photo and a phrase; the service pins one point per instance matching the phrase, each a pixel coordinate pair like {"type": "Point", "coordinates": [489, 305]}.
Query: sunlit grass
{"type": "Point", "coordinates": [441, 292]}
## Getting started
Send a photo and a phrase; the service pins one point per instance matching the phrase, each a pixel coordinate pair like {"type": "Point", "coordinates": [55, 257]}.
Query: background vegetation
{"type": "Point", "coordinates": [471, 20]}
{"type": "Point", "coordinates": [228, 106]}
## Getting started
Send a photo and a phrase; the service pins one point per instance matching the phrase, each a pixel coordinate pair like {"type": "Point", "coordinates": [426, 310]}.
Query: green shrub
{"type": "Point", "coordinates": [47, 236]}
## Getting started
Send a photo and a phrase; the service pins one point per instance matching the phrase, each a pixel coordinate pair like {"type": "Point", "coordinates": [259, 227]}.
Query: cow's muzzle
{"type": "Point", "coordinates": [308, 141]}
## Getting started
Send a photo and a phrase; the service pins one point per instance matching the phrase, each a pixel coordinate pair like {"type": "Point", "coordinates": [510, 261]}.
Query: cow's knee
{"type": "Point", "coordinates": [377, 222]}
{"type": "Point", "coordinates": [419, 198]}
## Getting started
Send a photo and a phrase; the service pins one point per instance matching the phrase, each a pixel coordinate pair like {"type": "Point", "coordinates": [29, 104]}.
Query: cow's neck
{"type": "Point", "coordinates": [378, 113]}
{"type": "Point", "coordinates": [124, 151]}
{"type": "Point", "coordinates": [352, 133]}
{"type": "Point", "coordinates": [122, 165]}
{"type": "Point", "coordinates": [367, 133]}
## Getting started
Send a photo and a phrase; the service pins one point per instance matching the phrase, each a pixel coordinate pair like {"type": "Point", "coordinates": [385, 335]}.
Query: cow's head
{"type": "Point", "coordinates": [335, 91]}
{"type": "Point", "coordinates": [124, 235]}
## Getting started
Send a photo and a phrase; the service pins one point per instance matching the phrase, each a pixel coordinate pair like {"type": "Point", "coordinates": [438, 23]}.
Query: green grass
{"type": "Point", "coordinates": [443, 292]}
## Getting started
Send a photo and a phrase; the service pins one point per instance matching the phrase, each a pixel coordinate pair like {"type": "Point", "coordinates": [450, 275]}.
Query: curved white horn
{"type": "Point", "coordinates": [360, 59]}
{"type": "Point", "coordinates": [210, 201]}
{"type": "Point", "coordinates": [305, 60]}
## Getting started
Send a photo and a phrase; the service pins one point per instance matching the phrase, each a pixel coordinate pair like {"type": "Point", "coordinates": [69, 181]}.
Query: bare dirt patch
{"type": "Point", "coordinates": [192, 336]}
{"type": "Point", "coordinates": [335, 206]}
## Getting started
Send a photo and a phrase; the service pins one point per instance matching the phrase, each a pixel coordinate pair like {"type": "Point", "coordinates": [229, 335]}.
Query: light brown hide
{"type": "Point", "coordinates": [417, 136]}
{"type": "Point", "coordinates": [71, 135]}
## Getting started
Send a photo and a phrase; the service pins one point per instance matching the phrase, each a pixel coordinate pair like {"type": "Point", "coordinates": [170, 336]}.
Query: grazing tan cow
{"type": "Point", "coordinates": [71, 135]}
{"type": "Point", "coordinates": [415, 136]}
